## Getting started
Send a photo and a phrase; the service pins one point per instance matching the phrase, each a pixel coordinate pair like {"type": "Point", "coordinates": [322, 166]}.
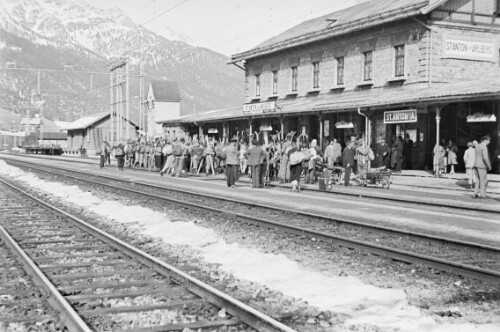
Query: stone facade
{"type": "Point", "coordinates": [422, 47]}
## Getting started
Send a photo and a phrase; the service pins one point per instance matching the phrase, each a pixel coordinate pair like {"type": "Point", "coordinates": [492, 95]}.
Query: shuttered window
{"type": "Point", "coordinates": [368, 65]}
{"type": "Point", "coordinates": [399, 69]}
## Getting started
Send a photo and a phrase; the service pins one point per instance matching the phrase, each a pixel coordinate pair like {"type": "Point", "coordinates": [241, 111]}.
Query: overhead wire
{"type": "Point", "coordinates": [252, 32]}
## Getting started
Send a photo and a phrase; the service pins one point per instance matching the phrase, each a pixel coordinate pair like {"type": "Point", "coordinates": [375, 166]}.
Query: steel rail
{"type": "Point", "coordinates": [356, 194]}
{"type": "Point", "coordinates": [247, 314]}
{"type": "Point", "coordinates": [69, 316]}
{"type": "Point", "coordinates": [396, 254]}
{"type": "Point", "coordinates": [338, 220]}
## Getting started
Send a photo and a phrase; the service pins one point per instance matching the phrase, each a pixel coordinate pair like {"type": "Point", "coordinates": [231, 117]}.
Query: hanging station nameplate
{"type": "Point", "coordinates": [259, 108]}
{"type": "Point", "coordinates": [404, 116]}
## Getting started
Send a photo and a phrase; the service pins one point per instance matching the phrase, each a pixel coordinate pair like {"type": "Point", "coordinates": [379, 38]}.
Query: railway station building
{"type": "Point", "coordinates": [379, 69]}
{"type": "Point", "coordinates": [90, 131]}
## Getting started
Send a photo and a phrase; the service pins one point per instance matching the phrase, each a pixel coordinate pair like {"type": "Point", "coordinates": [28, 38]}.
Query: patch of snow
{"type": "Point", "coordinates": [386, 309]}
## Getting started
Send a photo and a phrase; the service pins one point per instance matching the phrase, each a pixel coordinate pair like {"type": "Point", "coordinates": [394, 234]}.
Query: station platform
{"type": "Point", "coordinates": [477, 220]}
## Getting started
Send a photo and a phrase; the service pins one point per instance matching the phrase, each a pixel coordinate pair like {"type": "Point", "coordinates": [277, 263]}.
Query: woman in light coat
{"type": "Point", "coordinates": [469, 160]}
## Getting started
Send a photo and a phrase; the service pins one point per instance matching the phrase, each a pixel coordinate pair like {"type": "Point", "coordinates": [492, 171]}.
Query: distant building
{"type": "Point", "coordinates": [90, 131]}
{"type": "Point", "coordinates": [31, 125]}
{"type": "Point", "coordinates": [164, 104]}
{"type": "Point", "coordinates": [43, 130]}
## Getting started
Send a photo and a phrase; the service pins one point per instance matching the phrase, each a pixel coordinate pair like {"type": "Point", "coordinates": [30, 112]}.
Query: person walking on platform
{"type": "Point", "coordinates": [209, 158]}
{"type": "Point", "coordinates": [157, 156]}
{"type": "Point", "coordinates": [295, 158]}
{"type": "Point", "coordinates": [167, 152]}
{"type": "Point", "coordinates": [397, 158]}
{"type": "Point", "coordinates": [108, 155]}
{"type": "Point", "coordinates": [452, 156]}
{"type": "Point", "coordinates": [407, 152]}
{"type": "Point", "coordinates": [232, 162]}
{"type": "Point", "coordinates": [469, 160]}
{"type": "Point", "coordinates": [481, 166]}
{"type": "Point", "coordinates": [103, 153]}
{"type": "Point", "coordinates": [348, 161]}
{"type": "Point", "coordinates": [179, 151]}
{"type": "Point", "coordinates": [284, 170]}
{"type": "Point", "coordinates": [120, 156]}
{"type": "Point", "coordinates": [256, 156]}
{"type": "Point", "coordinates": [329, 155]}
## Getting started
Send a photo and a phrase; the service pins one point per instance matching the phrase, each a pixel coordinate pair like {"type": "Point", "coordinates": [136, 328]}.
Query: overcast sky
{"type": "Point", "coordinates": [228, 26]}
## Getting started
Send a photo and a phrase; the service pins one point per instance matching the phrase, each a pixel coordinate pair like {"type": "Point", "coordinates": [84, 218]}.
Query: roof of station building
{"type": "Point", "coordinates": [165, 91]}
{"type": "Point", "coordinates": [357, 17]}
{"type": "Point", "coordinates": [375, 98]}
{"type": "Point", "coordinates": [86, 121]}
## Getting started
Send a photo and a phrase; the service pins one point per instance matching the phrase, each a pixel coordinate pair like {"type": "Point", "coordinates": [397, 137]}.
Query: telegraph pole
{"type": "Point", "coordinates": [118, 80]}
{"type": "Point", "coordinates": [38, 91]}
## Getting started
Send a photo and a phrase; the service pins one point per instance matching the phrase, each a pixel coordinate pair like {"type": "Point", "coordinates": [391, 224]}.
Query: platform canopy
{"type": "Point", "coordinates": [376, 98]}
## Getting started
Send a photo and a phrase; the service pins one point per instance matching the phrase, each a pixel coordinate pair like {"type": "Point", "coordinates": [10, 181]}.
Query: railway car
{"type": "Point", "coordinates": [31, 145]}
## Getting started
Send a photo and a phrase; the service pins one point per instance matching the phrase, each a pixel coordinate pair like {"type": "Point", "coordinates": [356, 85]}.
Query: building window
{"type": "Point", "coordinates": [367, 72]}
{"type": "Point", "coordinates": [295, 73]}
{"type": "Point", "coordinates": [340, 71]}
{"type": "Point", "coordinates": [315, 75]}
{"type": "Point", "coordinates": [257, 85]}
{"type": "Point", "coordinates": [275, 82]}
{"type": "Point", "coordinates": [399, 69]}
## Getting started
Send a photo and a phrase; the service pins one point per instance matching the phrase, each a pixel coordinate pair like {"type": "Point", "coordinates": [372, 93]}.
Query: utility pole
{"type": "Point", "coordinates": [127, 105]}
{"type": "Point", "coordinates": [141, 97]}
{"type": "Point", "coordinates": [111, 111]}
{"type": "Point", "coordinates": [38, 91]}
{"type": "Point", "coordinates": [119, 77]}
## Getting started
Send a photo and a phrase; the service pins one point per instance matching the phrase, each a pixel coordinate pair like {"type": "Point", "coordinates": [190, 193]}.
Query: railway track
{"type": "Point", "coordinates": [98, 282]}
{"type": "Point", "coordinates": [459, 257]}
{"type": "Point", "coordinates": [378, 195]}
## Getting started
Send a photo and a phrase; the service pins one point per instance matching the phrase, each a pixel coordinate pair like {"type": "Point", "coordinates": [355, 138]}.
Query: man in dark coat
{"type": "Point", "coordinates": [397, 159]}
{"type": "Point", "coordinates": [407, 152]}
{"type": "Point", "coordinates": [256, 157]}
{"type": "Point", "coordinates": [482, 165]}
{"type": "Point", "coordinates": [348, 161]}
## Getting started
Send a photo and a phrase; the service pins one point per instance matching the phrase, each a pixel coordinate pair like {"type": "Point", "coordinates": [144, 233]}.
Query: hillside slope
{"type": "Point", "coordinates": [59, 34]}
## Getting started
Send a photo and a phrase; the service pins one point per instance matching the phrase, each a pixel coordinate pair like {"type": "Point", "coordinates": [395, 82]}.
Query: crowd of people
{"type": "Point", "coordinates": [288, 160]}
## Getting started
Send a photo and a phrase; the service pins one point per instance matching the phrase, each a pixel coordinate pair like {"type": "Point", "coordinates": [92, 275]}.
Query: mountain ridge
{"type": "Point", "coordinates": [54, 33]}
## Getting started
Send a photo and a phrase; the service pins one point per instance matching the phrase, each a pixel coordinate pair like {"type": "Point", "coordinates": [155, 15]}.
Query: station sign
{"type": "Point", "coordinates": [481, 117]}
{"type": "Point", "coordinates": [403, 116]}
{"type": "Point", "coordinates": [470, 49]}
{"type": "Point", "coordinates": [344, 125]}
{"type": "Point", "coordinates": [259, 108]}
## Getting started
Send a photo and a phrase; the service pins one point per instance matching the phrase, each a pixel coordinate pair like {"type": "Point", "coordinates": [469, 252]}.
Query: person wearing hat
{"type": "Point", "coordinates": [481, 166]}
{"type": "Point", "coordinates": [232, 162]}
{"type": "Point", "coordinates": [179, 152]}
{"type": "Point", "coordinates": [256, 156]}
{"type": "Point", "coordinates": [120, 156]}
{"type": "Point", "coordinates": [469, 160]}
{"type": "Point", "coordinates": [348, 160]}
{"type": "Point", "coordinates": [103, 153]}
{"type": "Point", "coordinates": [169, 158]}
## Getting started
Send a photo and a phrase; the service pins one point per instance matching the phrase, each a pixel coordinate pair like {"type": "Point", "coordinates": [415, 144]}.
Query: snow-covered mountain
{"type": "Point", "coordinates": [55, 33]}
